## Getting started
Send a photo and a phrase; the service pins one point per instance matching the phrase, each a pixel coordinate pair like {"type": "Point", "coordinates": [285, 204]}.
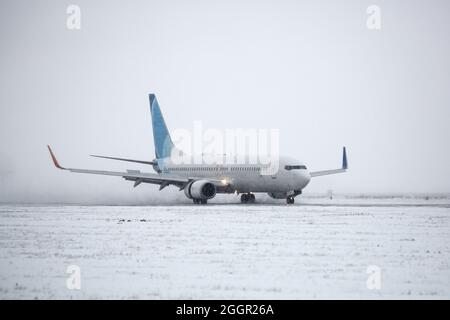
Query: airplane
{"type": "Point", "coordinates": [201, 182]}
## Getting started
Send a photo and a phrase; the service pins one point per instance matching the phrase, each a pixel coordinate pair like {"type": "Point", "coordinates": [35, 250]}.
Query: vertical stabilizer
{"type": "Point", "coordinates": [161, 136]}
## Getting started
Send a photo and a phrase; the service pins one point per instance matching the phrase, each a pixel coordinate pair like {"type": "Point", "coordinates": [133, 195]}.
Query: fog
{"type": "Point", "coordinates": [311, 69]}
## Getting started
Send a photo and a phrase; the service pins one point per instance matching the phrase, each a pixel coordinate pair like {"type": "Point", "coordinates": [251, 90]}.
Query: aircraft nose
{"type": "Point", "coordinates": [303, 178]}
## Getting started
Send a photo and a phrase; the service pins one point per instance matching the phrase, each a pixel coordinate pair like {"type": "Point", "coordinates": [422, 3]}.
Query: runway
{"type": "Point", "coordinates": [315, 249]}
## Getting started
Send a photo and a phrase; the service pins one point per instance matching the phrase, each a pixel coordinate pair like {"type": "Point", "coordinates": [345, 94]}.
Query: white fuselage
{"type": "Point", "coordinates": [244, 178]}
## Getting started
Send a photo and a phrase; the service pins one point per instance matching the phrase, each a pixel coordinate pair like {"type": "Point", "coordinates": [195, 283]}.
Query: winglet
{"type": "Point", "coordinates": [344, 159]}
{"type": "Point", "coordinates": [55, 162]}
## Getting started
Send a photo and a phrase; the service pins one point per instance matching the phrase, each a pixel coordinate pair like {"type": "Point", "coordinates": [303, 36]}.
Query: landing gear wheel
{"type": "Point", "coordinates": [290, 200]}
{"type": "Point", "coordinates": [200, 201]}
{"type": "Point", "coordinates": [247, 198]}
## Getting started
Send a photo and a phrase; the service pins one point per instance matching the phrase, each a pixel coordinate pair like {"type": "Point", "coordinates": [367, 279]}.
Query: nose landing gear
{"type": "Point", "coordinates": [200, 201]}
{"type": "Point", "coordinates": [291, 195]}
{"type": "Point", "coordinates": [247, 198]}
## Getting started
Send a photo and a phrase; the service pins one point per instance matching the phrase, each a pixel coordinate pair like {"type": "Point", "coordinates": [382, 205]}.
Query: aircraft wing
{"type": "Point", "coordinates": [334, 171]}
{"type": "Point", "coordinates": [132, 175]}
{"type": "Point", "coordinates": [325, 172]}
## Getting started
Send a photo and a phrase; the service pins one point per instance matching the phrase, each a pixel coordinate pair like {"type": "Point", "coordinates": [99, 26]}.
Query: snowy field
{"type": "Point", "coordinates": [314, 249]}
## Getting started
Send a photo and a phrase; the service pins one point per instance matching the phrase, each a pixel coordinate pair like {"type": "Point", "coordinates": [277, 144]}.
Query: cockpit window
{"type": "Point", "coordinates": [295, 167]}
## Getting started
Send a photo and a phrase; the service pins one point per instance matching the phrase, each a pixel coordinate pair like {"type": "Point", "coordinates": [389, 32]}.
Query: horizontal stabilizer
{"type": "Point", "coordinates": [152, 163]}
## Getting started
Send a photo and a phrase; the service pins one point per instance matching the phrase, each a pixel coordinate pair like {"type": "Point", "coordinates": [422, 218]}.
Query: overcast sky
{"type": "Point", "coordinates": [309, 68]}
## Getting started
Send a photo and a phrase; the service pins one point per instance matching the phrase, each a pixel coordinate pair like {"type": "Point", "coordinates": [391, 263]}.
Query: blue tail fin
{"type": "Point", "coordinates": [161, 136]}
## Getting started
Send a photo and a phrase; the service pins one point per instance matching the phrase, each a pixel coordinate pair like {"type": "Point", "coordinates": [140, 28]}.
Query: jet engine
{"type": "Point", "coordinates": [200, 189]}
{"type": "Point", "coordinates": [277, 195]}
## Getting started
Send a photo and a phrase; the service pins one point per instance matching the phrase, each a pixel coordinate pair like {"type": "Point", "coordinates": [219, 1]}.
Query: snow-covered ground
{"type": "Point", "coordinates": [315, 249]}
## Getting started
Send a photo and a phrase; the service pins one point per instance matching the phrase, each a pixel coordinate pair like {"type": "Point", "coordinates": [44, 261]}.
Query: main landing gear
{"type": "Point", "coordinates": [200, 201]}
{"type": "Point", "coordinates": [290, 200]}
{"type": "Point", "coordinates": [247, 198]}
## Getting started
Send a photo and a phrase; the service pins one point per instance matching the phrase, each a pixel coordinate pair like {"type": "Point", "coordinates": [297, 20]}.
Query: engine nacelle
{"type": "Point", "coordinates": [200, 189]}
{"type": "Point", "coordinates": [277, 195]}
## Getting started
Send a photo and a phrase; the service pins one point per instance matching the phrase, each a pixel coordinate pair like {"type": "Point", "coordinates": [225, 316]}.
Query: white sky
{"type": "Point", "coordinates": [309, 68]}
